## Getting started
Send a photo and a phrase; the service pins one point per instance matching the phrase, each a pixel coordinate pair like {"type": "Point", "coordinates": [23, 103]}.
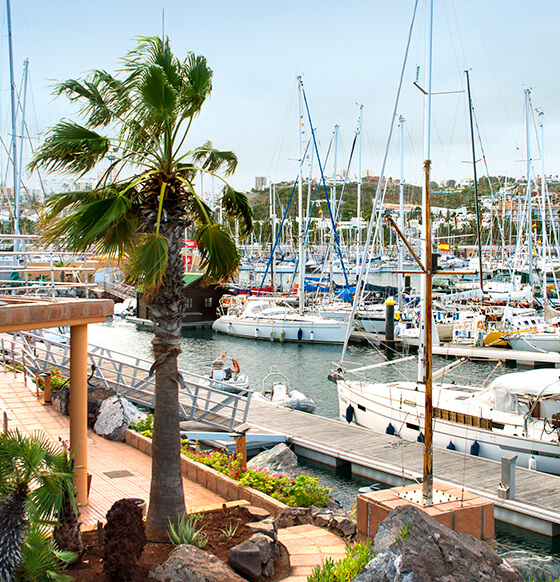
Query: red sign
{"type": "Point", "coordinates": [191, 244]}
{"type": "Point", "coordinates": [188, 260]}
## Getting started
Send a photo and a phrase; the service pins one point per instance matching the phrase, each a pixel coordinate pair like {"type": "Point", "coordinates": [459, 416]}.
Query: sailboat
{"type": "Point", "coordinates": [517, 413]}
{"type": "Point", "coordinates": [273, 319]}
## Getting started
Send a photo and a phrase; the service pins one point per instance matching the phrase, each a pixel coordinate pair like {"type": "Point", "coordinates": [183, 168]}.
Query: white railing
{"type": "Point", "coordinates": [129, 376]}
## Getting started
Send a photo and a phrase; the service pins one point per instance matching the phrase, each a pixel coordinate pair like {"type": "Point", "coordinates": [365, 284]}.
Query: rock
{"type": "Point", "coordinates": [115, 415]}
{"type": "Point", "coordinates": [266, 547]}
{"type": "Point", "coordinates": [61, 400]}
{"type": "Point", "coordinates": [190, 564]}
{"type": "Point", "coordinates": [414, 547]}
{"type": "Point", "coordinates": [266, 526]}
{"type": "Point", "coordinates": [245, 558]}
{"type": "Point", "coordinates": [322, 518]}
{"type": "Point", "coordinates": [257, 513]}
{"type": "Point", "coordinates": [533, 567]}
{"type": "Point", "coordinates": [279, 459]}
{"type": "Point", "coordinates": [293, 516]}
{"type": "Point", "coordinates": [343, 526]}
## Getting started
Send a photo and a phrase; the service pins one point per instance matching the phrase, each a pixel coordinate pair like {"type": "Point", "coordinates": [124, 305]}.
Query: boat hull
{"type": "Point", "coordinates": [331, 332]}
{"type": "Point", "coordinates": [408, 425]}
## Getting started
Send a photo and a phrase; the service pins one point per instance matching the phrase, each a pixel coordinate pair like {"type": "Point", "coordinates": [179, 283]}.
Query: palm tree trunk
{"type": "Point", "coordinates": [167, 499]}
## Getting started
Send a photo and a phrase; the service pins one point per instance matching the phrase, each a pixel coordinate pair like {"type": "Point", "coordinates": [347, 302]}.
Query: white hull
{"type": "Point", "coordinates": [377, 408]}
{"type": "Point", "coordinates": [314, 330]}
{"type": "Point", "coordinates": [535, 342]}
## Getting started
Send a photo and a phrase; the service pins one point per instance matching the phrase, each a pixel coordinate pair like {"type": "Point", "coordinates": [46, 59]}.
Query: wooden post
{"type": "Point", "coordinates": [241, 449]}
{"type": "Point", "coordinates": [47, 387]}
{"type": "Point", "coordinates": [428, 464]}
{"type": "Point", "coordinates": [78, 408]}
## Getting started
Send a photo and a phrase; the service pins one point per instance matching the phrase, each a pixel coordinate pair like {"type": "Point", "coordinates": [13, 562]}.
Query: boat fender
{"type": "Point", "coordinates": [299, 334]}
{"type": "Point", "coordinates": [349, 413]}
{"type": "Point", "coordinates": [257, 332]}
{"type": "Point", "coordinates": [272, 335]}
{"type": "Point", "coordinates": [420, 437]}
{"type": "Point", "coordinates": [532, 463]}
{"type": "Point", "coordinates": [311, 335]}
{"type": "Point", "coordinates": [282, 335]}
{"type": "Point", "coordinates": [451, 446]}
{"type": "Point", "coordinates": [390, 429]}
{"type": "Point", "coordinates": [475, 449]}
{"type": "Point", "coordinates": [235, 365]}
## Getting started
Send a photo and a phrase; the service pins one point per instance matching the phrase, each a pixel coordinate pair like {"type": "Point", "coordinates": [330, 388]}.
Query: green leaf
{"type": "Point", "coordinates": [236, 205]}
{"type": "Point", "coordinates": [220, 257]}
{"type": "Point", "coordinates": [70, 147]}
{"type": "Point", "coordinates": [157, 92]}
{"type": "Point", "coordinates": [148, 262]}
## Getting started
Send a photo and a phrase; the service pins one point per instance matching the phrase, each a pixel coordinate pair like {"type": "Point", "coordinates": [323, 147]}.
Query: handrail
{"type": "Point", "coordinates": [129, 376]}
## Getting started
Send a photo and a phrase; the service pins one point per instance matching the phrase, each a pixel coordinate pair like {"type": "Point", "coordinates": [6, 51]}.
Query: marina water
{"type": "Point", "coordinates": [307, 367]}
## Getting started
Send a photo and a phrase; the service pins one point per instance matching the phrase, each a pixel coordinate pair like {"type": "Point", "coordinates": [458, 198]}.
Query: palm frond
{"type": "Point", "coordinates": [236, 205]}
{"type": "Point", "coordinates": [69, 147]}
{"type": "Point", "coordinates": [148, 262]}
{"type": "Point", "coordinates": [157, 92]}
{"type": "Point", "coordinates": [220, 257]}
{"type": "Point", "coordinates": [89, 94]}
{"type": "Point", "coordinates": [213, 160]}
{"type": "Point", "coordinates": [198, 85]}
{"type": "Point", "coordinates": [105, 220]}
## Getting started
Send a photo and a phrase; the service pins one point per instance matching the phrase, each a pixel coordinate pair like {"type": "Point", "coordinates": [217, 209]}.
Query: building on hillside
{"type": "Point", "coordinates": [260, 182]}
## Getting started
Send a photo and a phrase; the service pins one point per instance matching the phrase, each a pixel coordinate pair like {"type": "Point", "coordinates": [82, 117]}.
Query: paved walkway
{"type": "Point", "coordinates": [121, 471]}
{"type": "Point", "coordinates": [308, 547]}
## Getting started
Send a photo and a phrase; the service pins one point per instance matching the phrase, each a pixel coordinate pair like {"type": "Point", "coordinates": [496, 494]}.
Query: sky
{"type": "Point", "coordinates": [348, 53]}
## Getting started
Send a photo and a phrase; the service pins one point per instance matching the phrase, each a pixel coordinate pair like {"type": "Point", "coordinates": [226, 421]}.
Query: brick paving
{"type": "Point", "coordinates": [121, 471]}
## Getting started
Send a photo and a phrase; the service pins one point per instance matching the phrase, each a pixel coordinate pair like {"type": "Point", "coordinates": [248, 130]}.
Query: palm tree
{"type": "Point", "coordinates": [140, 209]}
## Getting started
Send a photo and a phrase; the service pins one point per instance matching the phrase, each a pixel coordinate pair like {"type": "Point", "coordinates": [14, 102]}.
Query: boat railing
{"type": "Point", "coordinates": [38, 352]}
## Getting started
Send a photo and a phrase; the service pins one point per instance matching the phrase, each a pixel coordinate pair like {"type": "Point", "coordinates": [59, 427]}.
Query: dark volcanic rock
{"type": "Point", "coordinates": [414, 547]}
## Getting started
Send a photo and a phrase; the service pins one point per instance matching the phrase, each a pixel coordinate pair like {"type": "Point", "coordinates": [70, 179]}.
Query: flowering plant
{"type": "Point", "coordinates": [299, 491]}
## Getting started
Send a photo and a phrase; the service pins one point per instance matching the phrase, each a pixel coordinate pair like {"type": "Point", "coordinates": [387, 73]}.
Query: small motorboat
{"type": "Point", "coordinates": [226, 375]}
{"type": "Point", "coordinates": [276, 390]}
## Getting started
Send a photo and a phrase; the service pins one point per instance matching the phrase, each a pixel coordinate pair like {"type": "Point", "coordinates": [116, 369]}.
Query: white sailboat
{"type": "Point", "coordinates": [273, 319]}
{"type": "Point", "coordinates": [518, 413]}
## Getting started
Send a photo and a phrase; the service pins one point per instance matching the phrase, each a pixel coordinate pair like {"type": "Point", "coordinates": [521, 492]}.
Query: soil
{"type": "Point", "coordinates": [214, 524]}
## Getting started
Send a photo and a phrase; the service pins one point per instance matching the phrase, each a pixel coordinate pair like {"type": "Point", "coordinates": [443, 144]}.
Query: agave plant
{"type": "Point", "coordinates": [136, 123]}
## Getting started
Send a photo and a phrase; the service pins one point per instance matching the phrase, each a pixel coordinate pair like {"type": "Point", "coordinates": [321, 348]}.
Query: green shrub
{"type": "Point", "coordinates": [343, 570]}
{"type": "Point", "coordinates": [299, 491]}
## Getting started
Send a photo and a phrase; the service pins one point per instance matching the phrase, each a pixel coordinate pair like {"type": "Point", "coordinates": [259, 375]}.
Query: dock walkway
{"type": "Point", "coordinates": [389, 459]}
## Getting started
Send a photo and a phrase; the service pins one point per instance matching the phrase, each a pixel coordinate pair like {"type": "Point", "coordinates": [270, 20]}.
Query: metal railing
{"type": "Point", "coordinates": [129, 376]}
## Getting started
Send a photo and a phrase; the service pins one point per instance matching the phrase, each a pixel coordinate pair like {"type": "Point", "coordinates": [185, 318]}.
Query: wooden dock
{"type": "Point", "coordinates": [391, 460]}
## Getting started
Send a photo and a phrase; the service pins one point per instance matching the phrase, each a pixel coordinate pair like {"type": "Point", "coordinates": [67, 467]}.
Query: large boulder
{"type": "Point", "coordinates": [191, 564]}
{"type": "Point", "coordinates": [414, 547]}
{"type": "Point", "coordinates": [279, 459]}
{"type": "Point", "coordinates": [533, 567]}
{"type": "Point", "coordinates": [254, 558]}
{"type": "Point", "coordinates": [114, 417]}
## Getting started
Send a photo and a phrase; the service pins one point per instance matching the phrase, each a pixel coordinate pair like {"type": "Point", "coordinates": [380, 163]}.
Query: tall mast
{"type": "Point", "coordinates": [359, 194]}
{"type": "Point", "coordinates": [544, 245]}
{"type": "Point", "coordinates": [13, 105]}
{"type": "Point", "coordinates": [478, 225]}
{"type": "Point", "coordinates": [401, 215]}
{"type": "Point", "coordinates": [301, 283]}
{"type": "Point", "coordinates": [428, 464]}
{"type": "Point", "coordinates": [529, 201]}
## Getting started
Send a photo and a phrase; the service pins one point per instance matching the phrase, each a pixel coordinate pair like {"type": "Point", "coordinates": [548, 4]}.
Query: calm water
{"type": "Point", "coordinates": [306, 367]}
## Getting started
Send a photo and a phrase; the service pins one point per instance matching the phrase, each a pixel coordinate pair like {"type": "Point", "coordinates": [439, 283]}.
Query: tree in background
{"type": "Point", "coordinates": [140, 209]}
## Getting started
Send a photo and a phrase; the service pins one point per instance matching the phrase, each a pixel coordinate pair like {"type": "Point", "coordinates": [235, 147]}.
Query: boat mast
{"type": "Point", "coordinates": [359, 193]}
{"type": "Point", "coordinates": [477, 205]}
{"type": "Point", "coordinates": [301, 283]}
{"type": "Point", "coordinates": [529, 201]}
{"type": "Point", "coordinates": [13, 106]}
{"type": "Point", "coordinates": [544, 245]}
{"type": "Point", "coordinates": [272, 194]}
{"type": "Point", "coordinates": [428, 461]}
{"type": "Point", "coordinates": [401, 216]}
